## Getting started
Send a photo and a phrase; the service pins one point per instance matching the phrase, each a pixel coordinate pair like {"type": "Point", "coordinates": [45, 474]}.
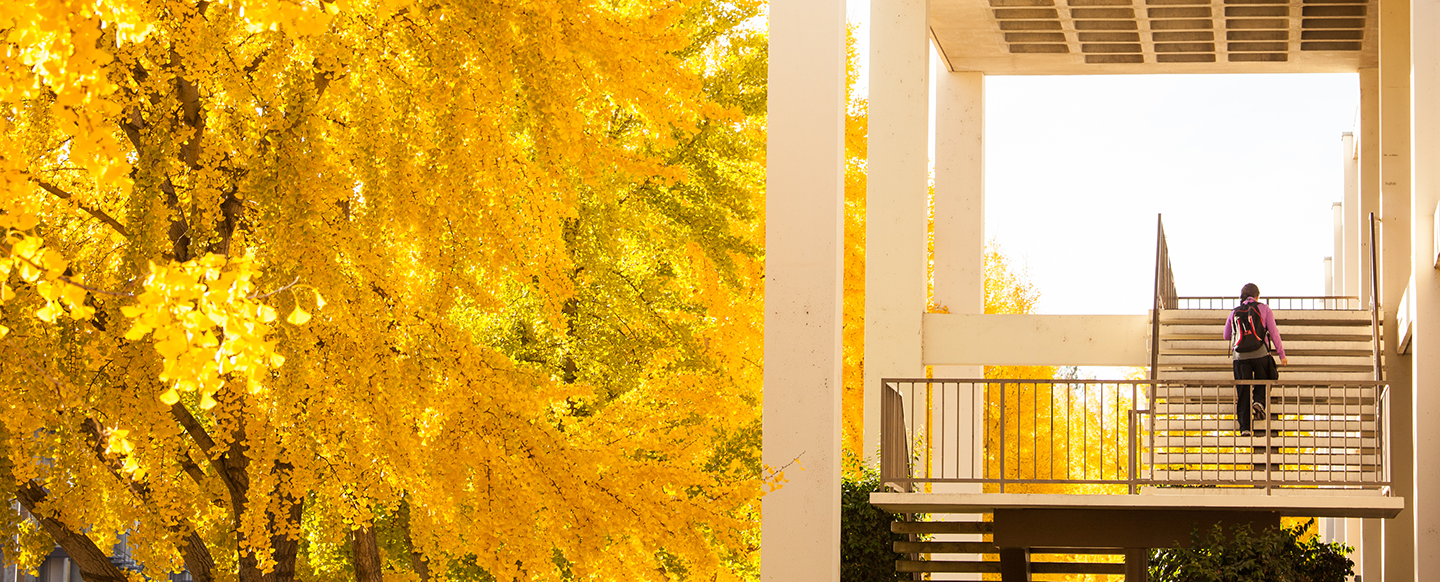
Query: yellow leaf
{"type": "Point", "coordinates": [137, 332]}
{"type": "Point", "coordinates": [267, 313]}
{"type": "Point", "coordinates": [276, 360]}
{"type": "Point", "coordinates": [206, 402]}
{"type": "Point", "coordinates": [170, 397]}
{"type": "Point", "coordinates": [319, 301]}
{"type": "Point", "coordinates": [298, 317]}
{"type": "Point", "coordinates": [48, 313]}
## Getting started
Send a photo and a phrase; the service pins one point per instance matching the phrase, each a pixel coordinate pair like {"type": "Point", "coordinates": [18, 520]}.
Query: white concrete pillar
{"type": "Point", "coordinates": [800, 530]}
{"type": "Point", "coordinates": [1350, 283]}
{"type": "Point", "coordinates": [1372, 530]}
{"type": "Point", "coordinates": [959, 259]}
{"type": "Point", "coordinates": [1337, 264]}
{"type": "Point", "coordinates": [896, 200]}
{"type": "Point", "coordinates": [1369, 173]}
{"type": "Point", "coordinates": [960, 208]}
{"type": "Point", "coordinates": [1330, 277]}
{"type": "Point", "coordinates": [1395, 201]}
{"type": "Point", "coordinates": [1424, 501]}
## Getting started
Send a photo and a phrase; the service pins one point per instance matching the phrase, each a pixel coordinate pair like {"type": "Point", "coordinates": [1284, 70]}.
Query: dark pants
{"type": "Point", "coordinates": [1252, 369]}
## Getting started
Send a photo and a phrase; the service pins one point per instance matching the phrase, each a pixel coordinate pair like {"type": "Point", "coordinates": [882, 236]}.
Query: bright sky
{"type": "Point", "coordinates": [1243, 167]}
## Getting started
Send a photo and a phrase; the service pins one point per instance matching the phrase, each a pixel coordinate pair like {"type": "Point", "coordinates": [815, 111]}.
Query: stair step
{"type": "Point", "coordinates": [945, 548]}
{"type": "Point", "coordinates": [941, 527]}
{"type": "Point", "coordinates": [1287, 374]}
{"type": "Point", "coordinates": [994, 567]}
{"type": "Point", "coordinates": [1318, 394]}
{"type": "Point", "coordinates": [1216, 331]}
{"type": "Point", "coordinates": [1309, 410]}
{"type": "Point", "coordinates": [1213, 424]}
{"type": "Point", "coordinates": [1220, 346]}
{"type": "Point", "coordinates": [1364, 360]}
{"type": "Point", "coordinates": [1359, 478]}
{"type": "Point", "coordinates": [1335, 461]}
{"type": "Point", "coordinates": [945, 566]}
{"type": "Point", "coordinates": [1232, 440]}
{"type": "Point", "coordinates": [1282, 316]}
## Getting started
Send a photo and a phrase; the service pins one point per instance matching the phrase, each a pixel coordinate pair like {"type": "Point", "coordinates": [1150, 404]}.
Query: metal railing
{"type": "Point", "coordinates": [1059, 436]}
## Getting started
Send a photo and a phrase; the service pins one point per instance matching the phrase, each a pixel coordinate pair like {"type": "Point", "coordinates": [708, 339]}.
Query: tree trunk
{"type": "Point", "coordinates": [367, 555]}
{"type": "Point", "coordinates": [417, 559]}
{"type": "Point", "coordinates": [94, 565]}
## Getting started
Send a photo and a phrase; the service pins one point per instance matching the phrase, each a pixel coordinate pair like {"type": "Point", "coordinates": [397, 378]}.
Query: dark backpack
{"type": "Point", "coordinates": [1248, 331]}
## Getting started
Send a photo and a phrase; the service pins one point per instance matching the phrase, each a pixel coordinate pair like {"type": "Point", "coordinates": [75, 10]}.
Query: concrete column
{"type": "Point", "coordinates": [1368, 162]}
{"type": "Point", "coordinates": [1337, 262]}
{"type": "Point", "coordinates": [1350, 283]}
{"type": "Point", "coordinates": [1330, 277]}
{"type": "Point", "coordinates": [1369, 172]}
{"type": "Point", "coordinates": [959, 199]}
{"type": "Point", "coordinates": [800, 531]}
{"type": "Point", "coordinates": [895, 219]}
{"type": "Point", "coordinates": [959, 262]}
{"type": "Point", "coordinates": [1395, 202]}
{"type": "Point", "coordinates": [1424, 500]}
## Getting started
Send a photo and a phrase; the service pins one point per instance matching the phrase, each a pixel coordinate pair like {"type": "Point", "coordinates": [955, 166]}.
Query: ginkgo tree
{"type": "Point", "coordinates": [381, 288]}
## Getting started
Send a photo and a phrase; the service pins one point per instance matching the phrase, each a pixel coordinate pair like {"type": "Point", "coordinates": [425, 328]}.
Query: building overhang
{"type": "Point", "coordinates": [1082, 37]}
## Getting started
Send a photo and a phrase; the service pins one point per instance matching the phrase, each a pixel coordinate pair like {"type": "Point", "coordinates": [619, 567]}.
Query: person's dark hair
{"type": "Point", "coordinates": [1249, 290]}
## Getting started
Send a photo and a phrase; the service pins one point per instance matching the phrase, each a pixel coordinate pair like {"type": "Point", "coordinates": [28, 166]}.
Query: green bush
{"type": "Point", "coordinates": [866, 550]}
{"type": "Point", "coordinates": [1275, 555]}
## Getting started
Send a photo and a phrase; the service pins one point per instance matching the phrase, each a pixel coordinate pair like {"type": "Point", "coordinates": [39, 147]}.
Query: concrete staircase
{"type": "Point", "coordinates": [1315, 430]}
{"type": "Point", "coordinates": [1322, 345]}
{"type": "Point", "coordinates": [955, 550]}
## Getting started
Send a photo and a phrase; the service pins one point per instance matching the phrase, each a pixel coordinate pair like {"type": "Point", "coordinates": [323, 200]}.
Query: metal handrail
{"type": "Point", "coordinates": [1165, 296]}
{"type": "Point", "coordinates": [1049, 432]}
{"type": "Point", "coordinates": [1375, 304]}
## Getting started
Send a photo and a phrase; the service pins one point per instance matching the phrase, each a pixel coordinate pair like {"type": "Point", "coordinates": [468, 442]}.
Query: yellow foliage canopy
{"type": "Point", "coordinates": [477, 280]}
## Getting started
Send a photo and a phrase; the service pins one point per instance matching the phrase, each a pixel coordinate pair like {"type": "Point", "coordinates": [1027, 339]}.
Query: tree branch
{"type": "Point", "coordinates": [97, 213]}
{"type": "Point", "coordinates": [196, 555]}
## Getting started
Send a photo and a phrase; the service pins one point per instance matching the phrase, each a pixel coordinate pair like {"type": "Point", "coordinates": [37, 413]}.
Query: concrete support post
{"type": "Point", "coordinates": [1368, 177]}
{"type": "Point", "coordinates": [1369, 171]}
{"type": "Point", "coordinates": [1137, 564]}
{"type": "Point", "coordinates": [1014, 565]}
{"type": "Point", "coordinates": [1337, 262]}
{"type": "Point", "coordinates": [1350, 283]}
{"type": "Point", "coordinates": [1424, 500]}
{"type": "Point", "coordinates": [800, 532]}
{"type": "Point", "coordinates": [896, 200]}
{"type": "Point", "coordinates": [959, 261]}
{"type": "Point", "coordinates": [960, 202]}
{"type": "Point", "coordinates": [1395, 212]}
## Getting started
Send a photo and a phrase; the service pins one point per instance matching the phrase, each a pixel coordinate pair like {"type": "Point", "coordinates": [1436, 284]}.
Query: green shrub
{"type": "Point", "coordinates": [866, 550]}
{"type": "Point", "coordinates": [1275, 555]}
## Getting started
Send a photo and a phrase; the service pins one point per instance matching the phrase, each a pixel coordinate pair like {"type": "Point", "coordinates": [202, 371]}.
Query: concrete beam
{"type": "Point", "coordinates": [1116, 528]}
{"type": "Point", "coordinates": [1036, 340]}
